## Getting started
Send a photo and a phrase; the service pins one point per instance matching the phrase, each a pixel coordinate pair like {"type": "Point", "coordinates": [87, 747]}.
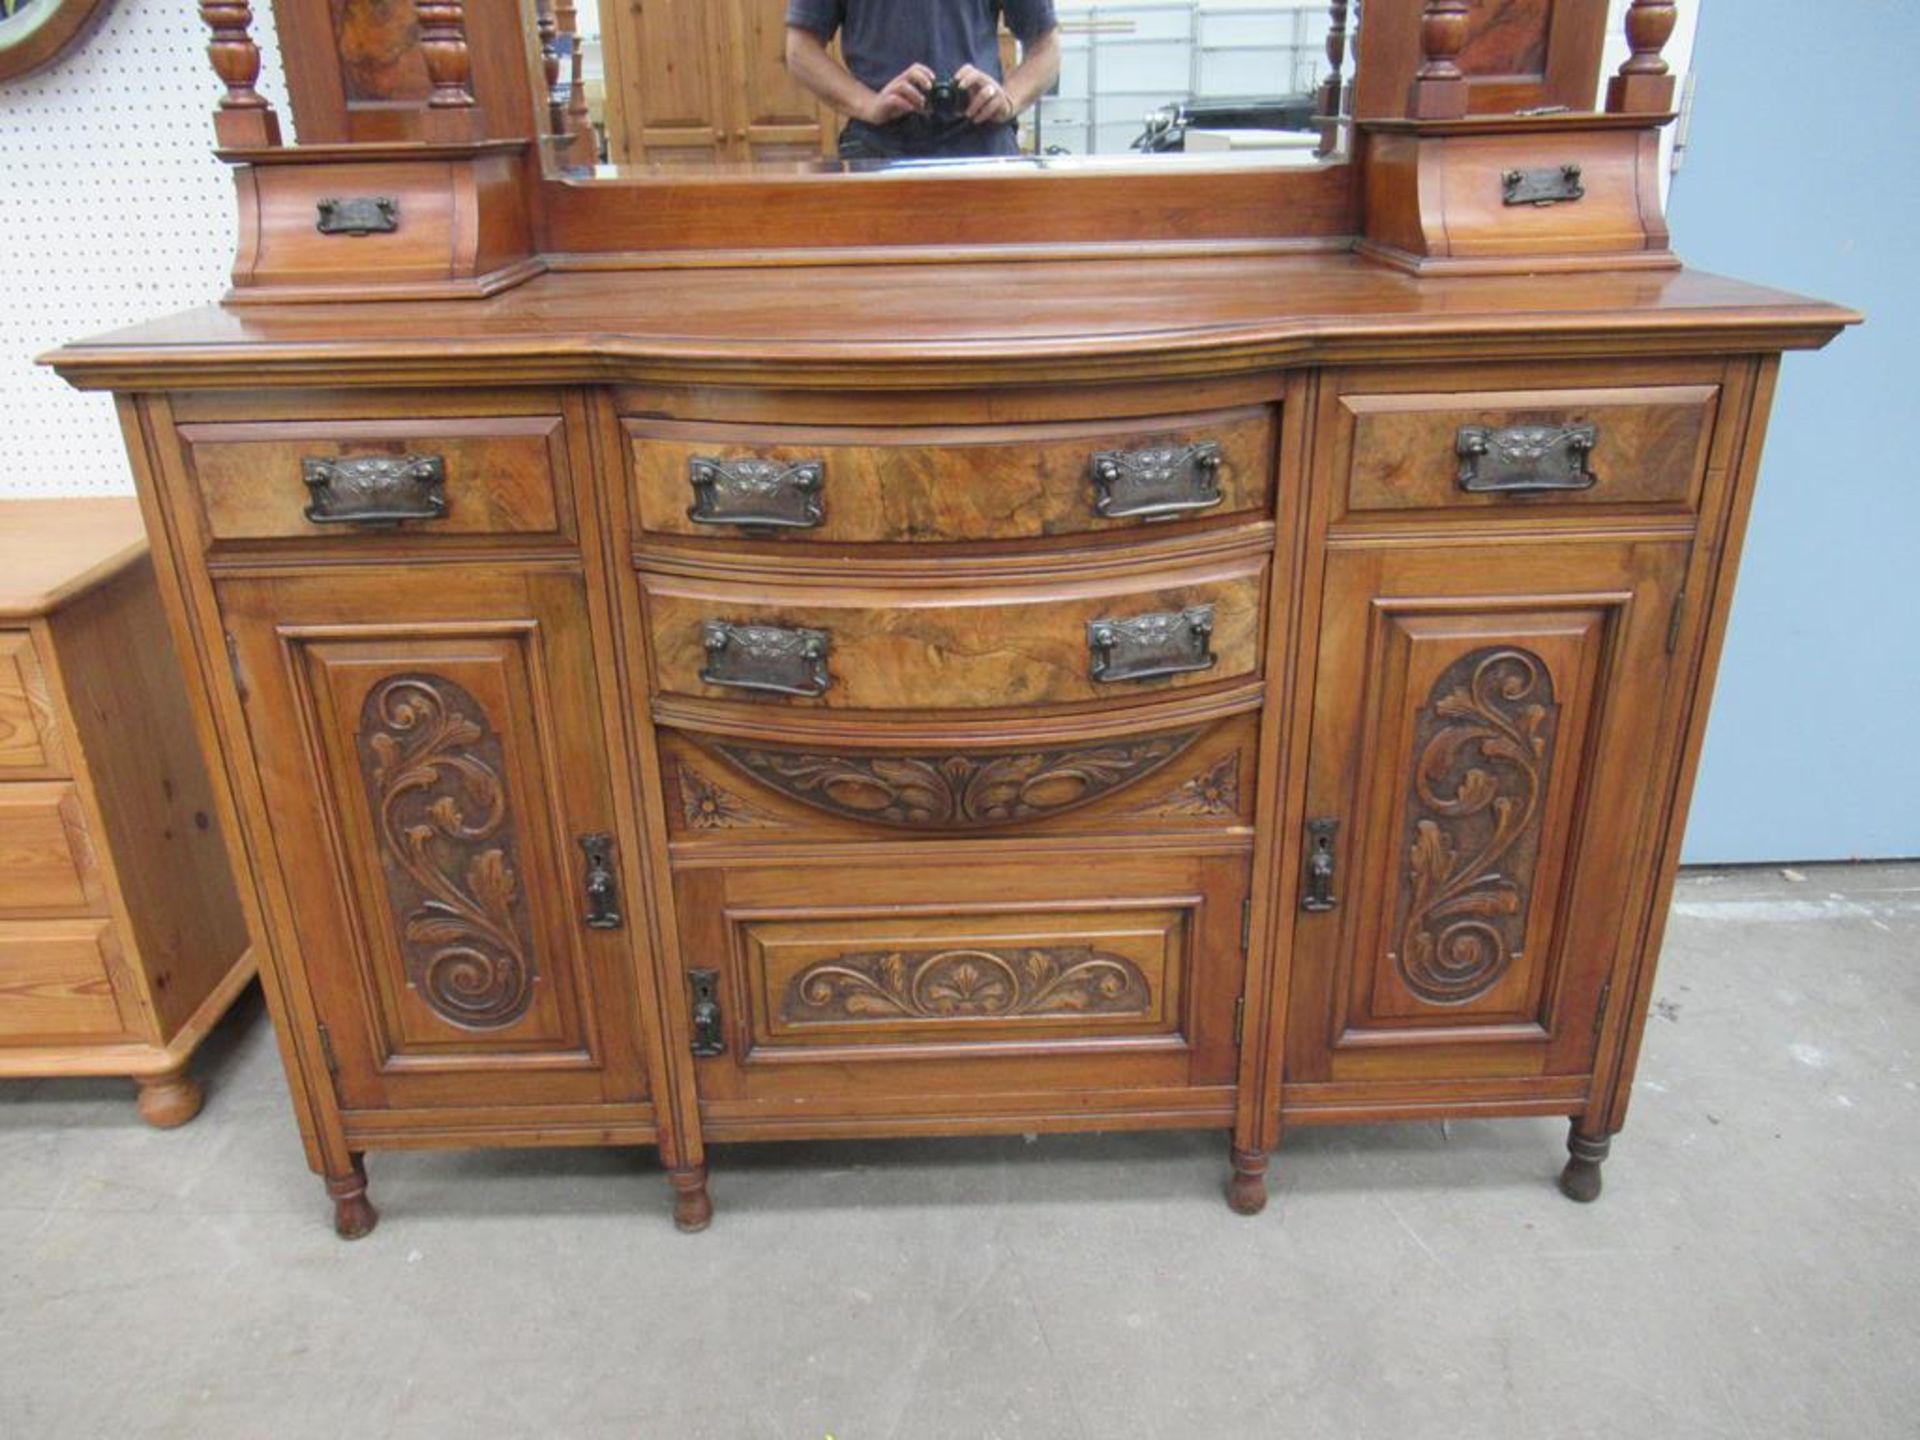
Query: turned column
{"type": "Point", "coordinates": [584, 147]}
{"type": "Point", "coordinates": [550, 68]}
{"type": "Point", "coordinates": [1333, 88]}
{"type": "Point", "coordinates": [1644, 85]}
{"type": "Point", "coordinates": [1440, 85]}
{"type": "Point", "coordinates": [244, 118]}
{"type": "Point", "coordinates": [451, 114]}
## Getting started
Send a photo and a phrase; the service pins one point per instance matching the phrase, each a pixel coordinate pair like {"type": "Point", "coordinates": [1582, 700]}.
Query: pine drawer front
{"type": "Point", "coordinates": [46, 862]}
{"type": "Point", "coordinates": [55, 982]}
{"type": "Point", "coordinates": [1110, 641]}
{"type": "Point", "coordinates": [903, 486]}
{"type": "Point", "coordinates": [377, 483]}
{"type": "Point", "coordinates": [848, 983]}
{"type": "Point", "coordinates": [1641, 448]}
{"type": "Point", "coordinates": [29, 736]}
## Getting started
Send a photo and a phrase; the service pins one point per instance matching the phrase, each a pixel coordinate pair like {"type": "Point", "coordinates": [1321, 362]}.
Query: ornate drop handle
{"type": "Point", "coordinates": [750, 492]}
{"type": "Point", "coordinates": [1526, 459]}
{"type": "Point", "coordinates": [1554, 185]}
{"type": "Point", "coordinates": [358, 216]}
{"type": "Point", "coordinates": [375, 490]}
{"type": "Point", "coordinates": [771, 659]}
{"type": "Point", "coordinates": [1157, 483]}
{"type": "Point", "coordinates": [1150, 647]}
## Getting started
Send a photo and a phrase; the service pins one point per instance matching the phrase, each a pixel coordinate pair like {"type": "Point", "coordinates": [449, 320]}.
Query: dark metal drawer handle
{"type": "Point", "coordinates": [360, 216]}
{"type": "Point", "coordinates": [1555, 185]}
{"type": "Point", "coordinates": [1147, 647]}
{"type": "Point", "coordinates": [1156, 484]}
{"type": "Point", "coordinates": [375, 490]}
{"type": "Point", "coordinates": [1526, 459]}
{"type": "Point", "coordinates": [769, 493]}
{"type": "Point", "coordinates": [768, 658]}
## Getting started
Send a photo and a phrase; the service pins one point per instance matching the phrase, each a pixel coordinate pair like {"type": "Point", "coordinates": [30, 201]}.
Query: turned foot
{"type": "Point", "coordinates": [1247, 1191]}
{"type": "Point", "coordinates": [353, 1214]}
{"type": "Point", "coordinates": [1581, 1179]}
{"type": "Point", "coordinates": [692, 1207]}
{"type": "Point", "coordinates": [169, 1100]}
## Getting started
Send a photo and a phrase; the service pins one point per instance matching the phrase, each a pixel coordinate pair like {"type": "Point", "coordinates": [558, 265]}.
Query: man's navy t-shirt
{"type": "Point", "coordinates": [881, 38]}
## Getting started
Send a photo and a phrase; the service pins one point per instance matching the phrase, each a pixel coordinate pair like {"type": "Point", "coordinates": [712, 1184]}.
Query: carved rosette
{"type": "Point", "coordinates": [1483, 750]}
{"type": "Point", "coordinates": [705, 805]}
{"type": "Point", "coordinates": [433, 774]}
{"type": "Point", "coordinates": [968, 983]}
{"type": "Point", "coordinates": [1209, 795]}
{"type": "Point", "coordinates": [956, 791]}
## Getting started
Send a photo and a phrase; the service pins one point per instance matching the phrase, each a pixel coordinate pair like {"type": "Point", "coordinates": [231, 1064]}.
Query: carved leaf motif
{"type": "Point", "coordinates": [705, 805]}
{"type": "Point", "coordinates": [1483, 751]}
{"type": "Point", "coordinates": [1213, 793]}
{"type": "Point", "coordinates": [432, 772]}
{"type": "Point", "coordinates": [967, 984]}
{"type": "Point", "coordinates": [948, 791]}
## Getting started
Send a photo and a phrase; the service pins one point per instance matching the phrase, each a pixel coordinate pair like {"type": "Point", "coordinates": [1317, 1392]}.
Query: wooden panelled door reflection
{"type": "Point", "coordinates": [440, 831]}
{"type": "Point", "coordinates": [1478, 788]}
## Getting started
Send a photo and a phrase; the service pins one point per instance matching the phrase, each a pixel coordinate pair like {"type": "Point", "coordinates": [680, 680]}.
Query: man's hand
{"type": "Point", "coordinates": [990, 104]}
{"type": "Point", "coordinates": [905, 94]}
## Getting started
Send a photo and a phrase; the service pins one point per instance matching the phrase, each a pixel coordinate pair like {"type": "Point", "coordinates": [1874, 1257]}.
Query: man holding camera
{"type": "Point", "coordinates": [922, 78]}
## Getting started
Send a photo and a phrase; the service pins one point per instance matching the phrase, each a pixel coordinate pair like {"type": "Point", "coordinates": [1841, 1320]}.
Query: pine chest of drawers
{"type": "Point", "coordinates": [121, 937]}
{"type": "Point", "coordinates": [1272, 705]}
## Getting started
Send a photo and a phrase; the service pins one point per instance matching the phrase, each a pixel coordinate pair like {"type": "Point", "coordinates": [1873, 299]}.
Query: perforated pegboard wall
{"type": "Point", "coordinates": [113, 211]}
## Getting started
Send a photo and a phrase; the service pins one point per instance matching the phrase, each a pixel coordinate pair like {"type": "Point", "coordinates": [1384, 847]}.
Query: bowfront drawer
{"type": "Point", "coordinates": [942, 648]}
{"type": "Point", "coordinates": [374, 482]}
{"type": "Point", "coordinates": [29, 736]}
{"type": "Point", "coordinates": [1635, 447]}
{"type": "Point", "coordinates": [46, 862]}
{"type": "Point", "coordinates": [861, 486]}
{"type": "Point", "coordinates": [55, 982]}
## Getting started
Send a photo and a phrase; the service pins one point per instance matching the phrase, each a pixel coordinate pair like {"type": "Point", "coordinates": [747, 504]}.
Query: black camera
{"type": "Point", "coordinates": [948, 99]}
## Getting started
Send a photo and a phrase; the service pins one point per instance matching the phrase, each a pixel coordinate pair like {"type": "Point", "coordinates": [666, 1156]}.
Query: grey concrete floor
{"type": "Point", "coordinates": [1750, 1272]}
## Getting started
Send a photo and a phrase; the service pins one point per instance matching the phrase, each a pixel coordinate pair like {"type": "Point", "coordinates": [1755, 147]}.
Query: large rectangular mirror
{"type": "Point", "coordinates": [782, 86]}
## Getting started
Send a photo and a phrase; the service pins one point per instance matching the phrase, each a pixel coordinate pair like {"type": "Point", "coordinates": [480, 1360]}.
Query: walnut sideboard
{"type": "Point", "coordinates": [687, 706]}
{"type": "Point", "coordinates": [121, 936]}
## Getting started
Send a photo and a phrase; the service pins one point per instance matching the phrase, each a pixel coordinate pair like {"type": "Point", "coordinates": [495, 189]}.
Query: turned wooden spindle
{"type": "Point", "coordinates": [584, 148]}
{"type": "Point", "coordinates": [1440, 85]}
{"type": "Point", "coordinates": [1645, 83]}
{"type": "Point", "coordinates": [451, 114]}
{"type": "Point", "coordinates": [244, 117]}
{"type": "Point", "coordinates": [1333, 88]}
{"type": "Point", "coordinates": [550, 68]}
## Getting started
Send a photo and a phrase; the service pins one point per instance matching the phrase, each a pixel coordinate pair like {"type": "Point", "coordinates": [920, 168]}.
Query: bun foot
{"type": "Point", "coordinates": [170, 1100]}
{"type": "Point", "coordinates": [1247, 1190]}
{"type": "Point", "coordinates": [1580, 1181]}
{"type": "Point", "coordinates": [692, 1206]}
{"type": "Point", "coordinates": [353, 1214]}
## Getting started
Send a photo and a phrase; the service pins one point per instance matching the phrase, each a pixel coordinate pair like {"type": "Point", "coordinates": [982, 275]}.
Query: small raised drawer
{"type": "Point", "coordinates": [941, 648]}
{"type": "Point", "coordinates": [370, 480]}
{"type": "Point", "coordinates": [46, 863]}
{"type": "Point", "coordinates": [29, 737]}
{"type": "Point", "coordinates": [1637, 447]}
{"type": "Point", "coordinates": [55, 982]}
{"type": "Point", "coordinates": [880, 486]}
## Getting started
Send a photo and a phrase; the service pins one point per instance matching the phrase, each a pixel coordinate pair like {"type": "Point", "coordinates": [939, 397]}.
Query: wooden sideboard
{"type": "Point", "coordinates": [806, 656]}
{"type": "Point", "coordinates": [121, 938]}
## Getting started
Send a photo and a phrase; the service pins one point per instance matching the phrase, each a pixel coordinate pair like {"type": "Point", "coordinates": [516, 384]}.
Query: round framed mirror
{"type": "Point", "coordinates": [35, 33]}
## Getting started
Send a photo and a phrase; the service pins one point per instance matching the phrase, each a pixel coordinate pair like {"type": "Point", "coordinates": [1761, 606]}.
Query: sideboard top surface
{"type": "Point", "coordinates": [52, 550]}
{"type": "Point", "coordinates": [948, 323]}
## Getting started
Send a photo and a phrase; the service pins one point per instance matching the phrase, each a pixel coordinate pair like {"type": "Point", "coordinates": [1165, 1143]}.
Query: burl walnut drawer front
{"type": "Point", "coordinates": [857, 486]}
{"type": "Point", "coordinates": [29, 736]}
{"type": "Point", "coordinates": [1637, 447]}
{"type": "Point", "coordinates": [940, 648]}
{"type": "Point", "coordinates": [46, 862]}
{"type": "Point", "coordinates": [374, 480]}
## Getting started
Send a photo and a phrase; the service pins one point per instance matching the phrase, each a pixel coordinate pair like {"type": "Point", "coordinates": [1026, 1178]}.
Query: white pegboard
{"type": "Point", "coordinates": [113, 211]}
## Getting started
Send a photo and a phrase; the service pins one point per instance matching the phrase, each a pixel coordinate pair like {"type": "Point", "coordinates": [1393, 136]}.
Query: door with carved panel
{"type": "Point", "coordinates": [431, 749]}
{"type": "Point", "coordinates": [1480, 795]}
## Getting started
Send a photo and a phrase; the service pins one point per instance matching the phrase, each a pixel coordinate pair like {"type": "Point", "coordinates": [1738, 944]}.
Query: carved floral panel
{"type": "Point", "coordinates": [967, 983]}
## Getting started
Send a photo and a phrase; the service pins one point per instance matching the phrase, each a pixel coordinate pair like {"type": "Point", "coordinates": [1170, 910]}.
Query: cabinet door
{"type": "Point", "coordinates": [776, 117]}
{"type": "Point", "coordinates": [1480, 785]}
{"type": "Point", "coordinates": [430, 747]}
{"type": "Point", "coordinates": [668, 96]}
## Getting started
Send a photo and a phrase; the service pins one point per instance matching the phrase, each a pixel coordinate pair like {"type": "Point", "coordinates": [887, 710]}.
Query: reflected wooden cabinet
{"type": "Point", "coordinates": [690, 82]}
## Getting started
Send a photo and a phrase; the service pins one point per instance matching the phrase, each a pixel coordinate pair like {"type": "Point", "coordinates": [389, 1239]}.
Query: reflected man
{"type": "Point", "coordinates": [922, 78]}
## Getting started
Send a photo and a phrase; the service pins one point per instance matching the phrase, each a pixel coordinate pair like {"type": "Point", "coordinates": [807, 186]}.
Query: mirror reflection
{"type": "Point", "coordinates": [692, 85]}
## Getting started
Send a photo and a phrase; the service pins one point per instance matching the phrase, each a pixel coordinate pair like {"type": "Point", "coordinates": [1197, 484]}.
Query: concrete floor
{"type": "Point", "coordinates": [1750, 1272]}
